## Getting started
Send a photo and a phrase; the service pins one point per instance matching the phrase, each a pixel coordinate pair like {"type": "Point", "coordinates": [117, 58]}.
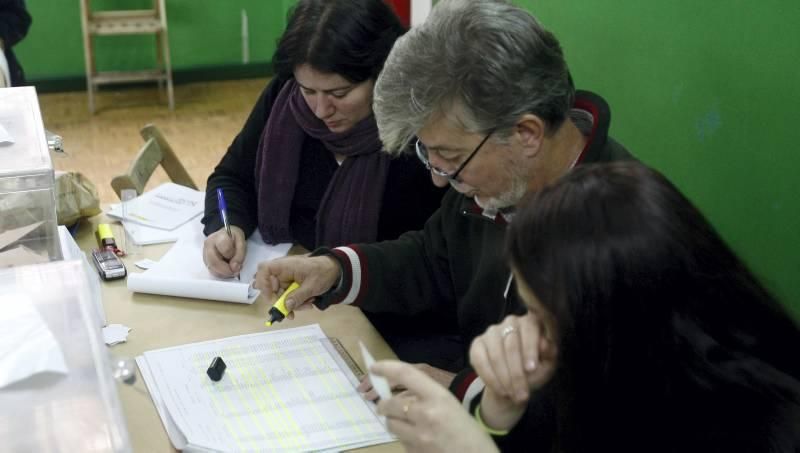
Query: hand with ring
{"type": "Point", "coordinates": [512, 358]}
{"type": "Point", "coordinates": [427, 417]}
{"type": "Point", "coordinates": [443, 377]}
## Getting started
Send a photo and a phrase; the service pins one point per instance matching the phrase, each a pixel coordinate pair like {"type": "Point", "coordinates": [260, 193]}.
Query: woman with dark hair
{"type": "Point", "coordinates": [644, 331]}
{"type": "Point", "coordinates": [307, 167]}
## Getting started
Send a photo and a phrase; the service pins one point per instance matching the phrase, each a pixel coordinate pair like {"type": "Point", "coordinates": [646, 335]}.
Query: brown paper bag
{"type": "Point", "coordinates": [76, 197]}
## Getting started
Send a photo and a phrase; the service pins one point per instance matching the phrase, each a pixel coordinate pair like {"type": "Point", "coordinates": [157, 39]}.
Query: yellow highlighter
{"type": "Point", "coordinates": [278, 310]}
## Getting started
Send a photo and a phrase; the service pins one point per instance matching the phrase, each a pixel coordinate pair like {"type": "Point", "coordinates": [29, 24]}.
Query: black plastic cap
{"type": "Point", "coordinates": [217, 369]}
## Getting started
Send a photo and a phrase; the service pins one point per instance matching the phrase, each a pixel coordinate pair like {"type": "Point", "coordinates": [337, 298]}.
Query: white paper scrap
{"type": "Point", "coordinates": [115, 334]}
{"type": "Point", "coordinates": [379, 383]}
{"type": "Point", "coordinates": [145, 264]}
{"type": "Point", "coordinates": [27, 346]}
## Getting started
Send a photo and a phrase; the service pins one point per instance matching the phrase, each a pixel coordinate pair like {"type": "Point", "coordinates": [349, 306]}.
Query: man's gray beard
{"type": "Point", "coordinates": [519, 187]}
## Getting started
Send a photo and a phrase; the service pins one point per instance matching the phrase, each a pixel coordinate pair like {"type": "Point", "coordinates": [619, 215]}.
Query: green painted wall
{"type": "Point", "coordinates": [202, 33]}
{"type": "Point", "coordinates": [703, 91]}
{"type": "Point", "coordinates": [706, 92]}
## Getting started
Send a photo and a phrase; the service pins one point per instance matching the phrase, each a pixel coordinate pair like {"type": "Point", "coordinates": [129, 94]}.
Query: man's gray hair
{"type": "Point", "coordinates": [486, 61]}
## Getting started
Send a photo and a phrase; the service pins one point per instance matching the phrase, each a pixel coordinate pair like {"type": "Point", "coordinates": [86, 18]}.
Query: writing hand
{"type": "Point", "coordinates": [223, 254]}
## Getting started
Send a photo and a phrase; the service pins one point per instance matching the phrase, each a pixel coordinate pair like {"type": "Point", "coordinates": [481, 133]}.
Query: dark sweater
{"type": "Point", "coordinates": [453, 272]}
{"type": "Point", "coordinates": [409, 196]}
{"type": "Point", "coordinates": [14, 24]}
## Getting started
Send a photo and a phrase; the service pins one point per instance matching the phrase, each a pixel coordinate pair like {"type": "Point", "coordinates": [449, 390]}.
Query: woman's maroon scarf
{"type": "Point", "coordinates": [349, 210]}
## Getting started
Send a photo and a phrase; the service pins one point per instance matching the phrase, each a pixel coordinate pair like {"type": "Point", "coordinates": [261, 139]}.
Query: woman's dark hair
{"type": "Point", "coordinates": [666, 341]}
{"type": "Point", "coordinates": [351, 38]}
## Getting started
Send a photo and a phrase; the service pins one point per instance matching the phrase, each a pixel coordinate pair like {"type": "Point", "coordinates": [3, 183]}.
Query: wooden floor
{"type": "Point", "coordinates": [206, 118]}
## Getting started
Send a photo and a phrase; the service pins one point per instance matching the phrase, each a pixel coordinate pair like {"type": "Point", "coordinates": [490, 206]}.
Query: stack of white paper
{"type": "Point", "coordinates": [182, 273]}
{"type": "Point", "coordinates": [281, 391]}
{"type": "Point", "coordinates": [160, 215]}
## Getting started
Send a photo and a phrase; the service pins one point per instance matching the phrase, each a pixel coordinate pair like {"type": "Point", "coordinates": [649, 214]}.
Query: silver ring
{"type": "Point", "coordinates": [405, 409]}
{"type": "Point", "coordinates": [507, 330]}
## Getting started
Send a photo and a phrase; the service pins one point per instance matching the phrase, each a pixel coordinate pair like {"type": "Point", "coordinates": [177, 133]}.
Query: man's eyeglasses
{"type": "Point", "coordinates": [422, 153]}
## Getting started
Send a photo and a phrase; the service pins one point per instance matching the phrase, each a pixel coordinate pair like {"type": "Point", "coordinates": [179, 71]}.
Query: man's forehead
{"type": "Point", "coordinates": [443, 132]}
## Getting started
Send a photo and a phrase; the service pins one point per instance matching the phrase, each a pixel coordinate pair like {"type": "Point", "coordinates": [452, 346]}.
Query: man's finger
{"type": "Point", "coordinates": [299, 297]}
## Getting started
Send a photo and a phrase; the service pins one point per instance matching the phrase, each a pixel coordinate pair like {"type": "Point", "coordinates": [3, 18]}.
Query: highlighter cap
{"type": "Point", "coordinates": [275, 315]}
{"type": "Point", "coordinates": [105, 238]}
{"type": "Point", "coordinates": [104, 231]}
{"type": "Point", "coordinates": [216, 369]}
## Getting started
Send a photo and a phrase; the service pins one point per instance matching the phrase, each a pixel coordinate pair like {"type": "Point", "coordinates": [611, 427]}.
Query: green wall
{"type": "Point", "coordinates": [203, 35]}
{"type": "Point", "coordinates": [703, 91]}
{"type": "Point", "coordinates": [706, 92]}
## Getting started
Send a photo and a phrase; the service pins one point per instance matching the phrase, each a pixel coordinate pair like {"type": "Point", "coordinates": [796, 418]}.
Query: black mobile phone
{"type": "Point", "coordinates": [108, 265]}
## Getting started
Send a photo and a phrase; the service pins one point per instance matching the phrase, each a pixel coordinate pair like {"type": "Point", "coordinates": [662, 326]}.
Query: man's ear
{"type": "Point", "coordinates": [529, 132]}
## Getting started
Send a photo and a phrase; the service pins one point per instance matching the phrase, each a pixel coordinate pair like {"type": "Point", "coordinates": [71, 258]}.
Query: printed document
{"type": "Point", "coordinates": [167, 207]}
{"type": "Point", "coordinates": [285, 390]}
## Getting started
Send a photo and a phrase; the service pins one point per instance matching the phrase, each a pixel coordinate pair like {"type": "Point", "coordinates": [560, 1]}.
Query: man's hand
{"type": "Point", "coordinates": [315, 275]}
{"type": "Point", "coordinates": [224, 255]}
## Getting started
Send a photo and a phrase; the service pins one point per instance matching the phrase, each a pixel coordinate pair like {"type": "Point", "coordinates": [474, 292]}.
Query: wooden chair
{"type": "Point", "coordinates": [156, 151]}
{"type": "Point", "coordinates": [127, 22]}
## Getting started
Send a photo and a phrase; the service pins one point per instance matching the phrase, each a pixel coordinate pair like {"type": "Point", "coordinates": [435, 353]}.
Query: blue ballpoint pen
{"type": "Point", "coordinates": [223, 211]}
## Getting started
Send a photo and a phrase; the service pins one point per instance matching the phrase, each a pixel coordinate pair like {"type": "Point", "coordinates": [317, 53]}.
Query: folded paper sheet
{"type": "Point", "coordinates": [182, 273]}
{"type": "Point", "coordinates": [285, 390]}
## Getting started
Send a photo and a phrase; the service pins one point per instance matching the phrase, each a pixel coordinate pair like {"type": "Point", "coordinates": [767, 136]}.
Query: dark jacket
{"type": "Point", "coordinates": [14, 24]}
{"type": "Point", "coordinates": [409, 195]}
{"type": "Point", "coordinates": [453, 271]}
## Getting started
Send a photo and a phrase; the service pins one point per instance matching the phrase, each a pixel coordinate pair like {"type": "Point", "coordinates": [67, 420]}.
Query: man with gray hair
{"type": "Point", "coordinates": [482, 94]}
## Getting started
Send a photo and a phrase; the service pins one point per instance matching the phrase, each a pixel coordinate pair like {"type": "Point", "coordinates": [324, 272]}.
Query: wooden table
{"type": "Point", "coordinates": [163, 321]}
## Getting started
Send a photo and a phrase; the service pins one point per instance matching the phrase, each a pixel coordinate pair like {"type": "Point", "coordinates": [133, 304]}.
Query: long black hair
{"type": "Point", "coordinates": [351, 38]}
{"type": "Point", "coordinates": [666, 341]}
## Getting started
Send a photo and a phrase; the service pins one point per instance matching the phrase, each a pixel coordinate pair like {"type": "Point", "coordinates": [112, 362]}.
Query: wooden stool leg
{"type": "Point", "coordinates": [88, 53]}
{"type": "Point", "coordinates": [165, 52]}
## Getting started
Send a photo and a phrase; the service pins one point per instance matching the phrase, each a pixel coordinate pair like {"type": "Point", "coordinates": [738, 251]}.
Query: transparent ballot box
{"type": "Point", "coordinates": [57, 390]}
{"type": "Point", "coordinates": [28, 222]}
